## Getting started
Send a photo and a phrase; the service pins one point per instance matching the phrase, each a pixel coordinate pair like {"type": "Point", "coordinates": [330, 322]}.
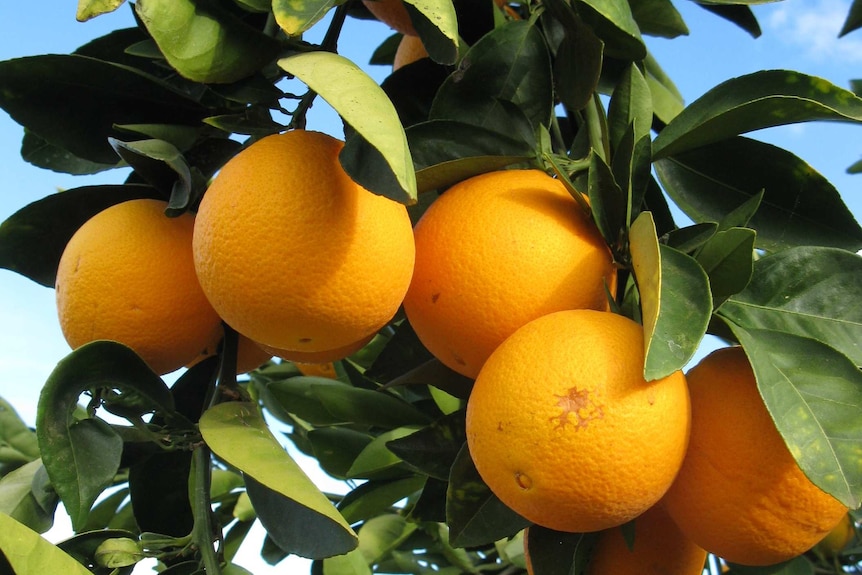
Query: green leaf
{"type": "Point", "coordinates": [39, 91]}
{"type": "Point", "coordinates": [854, 18]}
{"type": "Point", "coordinates": [292, 509]}
{"type": "Point", "coordinates": [632, 170]}
{"type": "Point", "coordinates": [631, 104]}
{"type": "Point", "coordinates": [103, 513]}
{"type": "Point", "coordinates": [474, 514]}
{"type": "Point", "coordinates": [83, 547]}
{"type": "Point", "coordinates": [614, 23]}
{"type": "Point", "coordinates": [361, 103]}
{"type": "Point", "coordinates": [375, 459]}
{"type": "Point", "coordinates": [450, 141]}
{"type": "Point", "coordinates": [607, 200]}
{"type": "Point", "coordinates": [814, 395]}
{"type": "Point", "coordinates": [675, 300]}
{"type": "Point", "coordinates": [807, 291]}
{"type": "Point", "coordinates": [336, 448]}
{"type": "Point", "coordinates": [18, 501]}
{"type": "Point", "coordinates": [204, 42]}
{"type": "Point", "coordinates": [162, 165]}
{"type": "Point", "coordinates": [739, 14]}
{"type": "Point", "coordinates": [437, 26]}
{"type": "Point", "coordinates": [352, 563]}
{"type": "Point", "coordinates": [555, 552]}
{"type": "Point", "coordinates": [18, 443]}
{"type": "Point", "coordinates": [42, 154]}
{"type": "Point", "coordinates": [295, 17]}
{"type": "Point", "coordinates": [659, 18]}
{"type": "Point", "coordinates": [578, 61]}
{"type": "Point", "coordinates": [728, 260]}
{"type": "Point", "coordinates": [690, 238]}
{"type": "Point", "coordinates": [433, 449]}
{"type": "Point", "coordinates": [159, 491]}
{"type": "Point", "coordinates": [83, 456]}
{"type": "Point", "coordinates": [379, 535]}
{"type": "Point", "coordinates": [27, 553]}
{"type": "Point", "coordinates": [374, 497]}
{"type": "Point", "coordinates": [667, 102]}
{"type": "Point", "coordinates": [32, 239]}
{"type": "Point", "coordinates": [799, 206]}
{"type": "Point", "coordinates": [796, 566]}
{"type": "Point", "coordinates": [754, 101]}
{"type": "Point", "coordinates": [511, 65]}
{"type": "Point", "coordinates": [88, 9]}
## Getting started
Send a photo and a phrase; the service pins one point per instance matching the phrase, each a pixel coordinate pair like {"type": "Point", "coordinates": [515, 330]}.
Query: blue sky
{"type": "Point", "coordinates": [797, 34]}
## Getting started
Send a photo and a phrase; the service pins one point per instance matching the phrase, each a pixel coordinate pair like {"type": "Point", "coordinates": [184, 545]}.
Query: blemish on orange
{"type": "Point", "coordinates": [579, 404]}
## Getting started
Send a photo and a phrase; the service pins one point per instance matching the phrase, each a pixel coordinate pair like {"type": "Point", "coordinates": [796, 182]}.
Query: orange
{"type": "Point", "coordinates": [323, 356]}
{"type": "Point", "coordinates": [393, 14]}
{"type": "Point", "coordinates": [496, 251]}
{"type": "Point", "coordinates": [249, 355]}
{"type": "Point", "coordinates": [659, 548]}
{"type": "Point", "coordinates": [128, 275]}
{"type": "Point", "coordinates": [740, 494]}
{"type": "Point", "coordinates": [565, 431]}
{"type": "Point", "coordinates": [318, 369]}
{"type": "Point", "coordinates": [410, 49]}
{"type": "Point", "coordinates": [294, 254]}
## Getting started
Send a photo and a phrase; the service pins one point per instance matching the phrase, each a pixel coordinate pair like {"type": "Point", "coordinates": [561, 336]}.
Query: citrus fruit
{"type": "Point", "coordinates": [496, 251]}
{"type": "Point", "coordinates": [295, 255]}
{"type": "Point", "coordinates": [410, 49]}
{"type": "Point", "coordinates": [659, 548]}
{"type": "Point", "coordinates": [565, 431]}
{"type": "Point", "coordinates": [740, 494]}
{"type": "Point", "coordinates": [317, 369]}
{"type": "Point", "coordinates": [249, 355]}
{"type": "Point", "coordinates": [127, 275]}
{"type": "Point", "coordinates": [393, 14]}
{"type": "Point", "coordinates": [322, 356]}
{"type": "Point", "coordinates": [838, 538]}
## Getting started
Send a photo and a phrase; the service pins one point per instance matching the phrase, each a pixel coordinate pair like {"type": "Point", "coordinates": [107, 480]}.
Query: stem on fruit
{"type": "Point", "coordinates": [204, 528]}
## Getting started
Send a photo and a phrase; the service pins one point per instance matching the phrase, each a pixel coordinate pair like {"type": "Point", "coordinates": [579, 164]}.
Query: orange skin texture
{"type": "Point", "coordinates": [326, 356]}
{"type": "Point", "coordinates": [660, 548]}
{"type": "Point", "coordinates": [496, 251]}
{"type": "Point", "coordinates": [127, 275]}
{"type": "Point", "coordinates": [293, 254]}
{"type": "Point", "coordinates": [565, 431]}
{"type": "Point", "coordinates": [740, 494]}
{"type": "Point", "coordinates": [249, 355]}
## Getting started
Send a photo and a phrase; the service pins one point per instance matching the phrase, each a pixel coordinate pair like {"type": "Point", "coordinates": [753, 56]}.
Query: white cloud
{"type": "Point", "coordinates": [813, 26]}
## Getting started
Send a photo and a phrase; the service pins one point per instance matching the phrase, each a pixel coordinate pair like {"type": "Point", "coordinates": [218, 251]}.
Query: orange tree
{"type": "Point", "coordinates": [179, 473]}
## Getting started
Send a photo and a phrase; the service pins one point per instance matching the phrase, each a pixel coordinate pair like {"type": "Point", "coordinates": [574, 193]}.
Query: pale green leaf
{"type": "Point", "coordinates": [28, 553]}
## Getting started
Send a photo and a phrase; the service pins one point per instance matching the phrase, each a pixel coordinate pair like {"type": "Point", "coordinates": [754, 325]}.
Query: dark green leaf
{"type": "Point", "coordinates": [18, 500]}
{"type": "Point", "coordinates": [336, 448]}
{"type": "Point", "coordinates": [74, 102]}
{"type": "Point", "coordinates": [740, 15]}
{"type": "Point", "coordinates": [159, 489]}
{"type": "Point", "coordinates": [754, 101]}
{"type": "Point", "coordinates": [45, 155]}
{"type": "Point", "coordinates": [632, 170]}
{"type": "Point", "coordinates": [690, 238]}
{"type": "Point", "coordinates": [253, 121]}
{"type": "Point", "coordinates": [376, 460]}
{"type": "Point", "coordinates": [181, 137]}
{"type": "Point", "coordinates": [296, 515]}
{"type": "Point", "coordinates": [433, 449]}
{"type": "Point", "coordinates": [445, 174]}
{"type": "Point", "coordinates": [18, 443]}
{"type": "Point", "coordinates": [412, 89]}
{"type": "Point", "coordinates": [667, 102]}
{"type": "Point", "coordinates": [854, 18]}
{"type": "Point", "coordinates": [814, 395]}
{"type": "Point", "coordinates": [578, 62]}
{"type": "Point", "coordinates": [203, 41]}
{"type": "Point", "coordinates": [28, 553]}
{"type": "Point", "coordinates": [474, 514]}
{"type": "Point", "coordinates": [799, 207]}
{"type": "Point", "coordinates": [367, 167]}
{"type": "Point", "coordinates": [675, 299]}
{"type": "Point", "coordinates": [374, 497]}
{"type": "Point", "coordinates": [83, 456]}
{"type": "Point", "coordinates": [728, 260]}
{"type": "Point", "coordinates": [433, 373]}
{"type": "Point", "coordinates": [104, 512]}
{"type": "Point", "coordinates": [436, 23]}
{"type": "Point", "coordinates": [613, 22]}
{"type": "Point", "coordinates": [33, 238]}
{"type": "Point", "coordinates": [86, 548]}
{"type": "Point", "coordinates": [631, 104]}
{"type": "Point", "coordinates": [295, 17]}
{"type": "Point", "coordinates": [658, 18]}
{"type": "Point", "coordinates": [384, 54]}
{"type": "Point", "coordinates": [162, 165]}
{"type": "Point", "coordinates": [554, 552]}
{"type": "Point", "coordinates": [510, 64]}
{"type": "Point", "coordinates": [808, 291]}
{"type": "Point", "coordinates": [742, 215]}
{"type": "Point", "coordinates": [361, 103]}
{"type": "Point", "coordinates": [607, 200]}
{"type": "Point", "coordinates": [441, 141]}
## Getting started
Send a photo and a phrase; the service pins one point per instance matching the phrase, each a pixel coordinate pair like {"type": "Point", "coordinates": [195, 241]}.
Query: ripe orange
{"type": "Point", "coordinates": [660, 548]}
{"type": "Point", "coordinates": [565, 431]}
{"type": "Point", "coordinates": [496, 251]}
{"type": "Point", "coordinates": [393, 14]}
{"type": "Point", "coordinates": [740, 494]}
{"type": "Point", "coordinates": [323, 356]}
{"type": "Point", "coordinates": [127, 275]}
{"type": "Point", "coordinates": [410, 49]}
{"type": "Point", "coordinates": [295, 255]}
{"type": "Point", "coordinates": [249, 355]}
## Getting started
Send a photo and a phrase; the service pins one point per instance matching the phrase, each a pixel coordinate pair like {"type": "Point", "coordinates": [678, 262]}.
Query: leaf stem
{"type": "Point", "coordinates": [597, 127]}
{"type": "Point", "coordinates": [203, 529]}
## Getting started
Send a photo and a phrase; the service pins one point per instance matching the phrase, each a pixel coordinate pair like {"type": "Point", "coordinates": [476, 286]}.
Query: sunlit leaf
{"type": "Point", "coordinates": [814, 395]}
{"type": "Point", "coordinates": [295, 17]}
{"type": "Point", "coordinates": [379, 535]}
{"type": "Point", "coordinates": [361, 103]}
{"type": "Point", "coordinates": [675, 299]}
{"type": "Point", "coordinates": [203, 41]}
{"type": "Point", "coordinates": [82, 456]}
{"type": "Point", "coordinates": [808, 291]}
{"type": "Point", "coordinates": [437, 27]}
{"type": "Point", "coordinates": [799, 206]}
{"type": "Point", "coordinates": [18, 501]}
{"type": "Point", "coordinates": [754, 101]}
{"type": "Point", "coordinates": [18, 443]}
{"type": "Point", "coordinates": [88, 9]}
{"type": "Point", "coordinates": [376, 459]}
{"type": "Point", "coordinates": [659, 18]}
{"type": "Point", "coordinates": [28, 553]}
{"type": "Point", "coordinates": [294, 511]}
